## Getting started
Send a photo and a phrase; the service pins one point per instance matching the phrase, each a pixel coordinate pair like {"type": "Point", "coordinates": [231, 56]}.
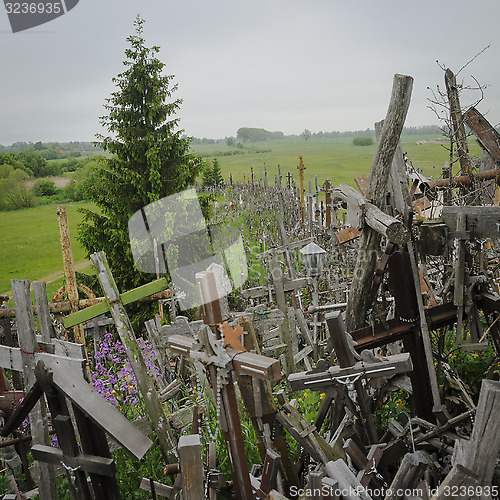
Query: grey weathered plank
{"type": "Point", "coordinates": [92, 404]}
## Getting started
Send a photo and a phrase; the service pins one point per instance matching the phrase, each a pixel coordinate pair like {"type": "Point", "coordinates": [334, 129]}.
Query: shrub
{"type": "Point", "coordinates": [362, 141]}
{"type": "Point", "coordinates": [44, 187]}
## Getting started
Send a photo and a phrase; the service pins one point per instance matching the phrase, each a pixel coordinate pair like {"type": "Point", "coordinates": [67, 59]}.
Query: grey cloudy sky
{"type": "Point", "coordinates": [278, 64]}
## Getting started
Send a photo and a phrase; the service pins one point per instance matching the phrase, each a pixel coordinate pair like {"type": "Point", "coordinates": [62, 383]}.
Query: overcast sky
{"type": "Point", "coordinates": [277, 64]}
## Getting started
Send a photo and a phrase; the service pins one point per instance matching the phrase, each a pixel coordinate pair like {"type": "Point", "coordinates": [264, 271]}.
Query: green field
{"type": "Point", "coordinates": [29, 239]}
{"type": "Point", "coordinates": [337, 159]}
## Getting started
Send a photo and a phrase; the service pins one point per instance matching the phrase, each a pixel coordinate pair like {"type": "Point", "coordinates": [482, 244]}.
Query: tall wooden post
{"type": "Point", "coordinates": [301, 167]}
{"type": "Point", "coordinates": [29, 345]}
{"type": "Point", "coordinates": [277, 277]}
{"type": "Point", "coordinates": [457, 121]}
{"type": "Point", "coordinates": [327, 188]}
{"type": "Point", "coordinates": [358, 303]}
{"type": "Point", "coordinates": [69, 270]}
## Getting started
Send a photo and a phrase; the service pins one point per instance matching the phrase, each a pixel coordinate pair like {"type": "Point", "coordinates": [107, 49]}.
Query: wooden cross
{"type": "Point", "coordinates": [220, 363]}
{"type": "Point", "coordinates": [345, 359]}
{"type": "Point", "coordinates": [367, 464]}
{"type": "Point", "coordinates": [301, 167]}
{"type": "Point", "coordinates": [289, 178]}
{"type": "Point", "coordinates": [92, 415]}
{"type": "Point", "coordinates": [310, 198]}
{"type": "Point", "coordinates": [327, 188]}
{"type": "Point", "coordinates": [115, 305]}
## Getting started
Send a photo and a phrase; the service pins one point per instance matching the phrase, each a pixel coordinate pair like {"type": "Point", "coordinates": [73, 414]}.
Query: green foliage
{"type": "Point", "coordinates": [80, 186]}
{"type": "Point", "coordinates": [362, 141]}
{"type": "Point", "coordinates": [212, 175]}
{"type": "Point", "coordinates": [14, 193]}
{"type": "Point", "coordinates": [150, 159]}
{"type": "Point", "coordinates": [248, 134]}
{"type": "Point", "coordinates": [44, 187]}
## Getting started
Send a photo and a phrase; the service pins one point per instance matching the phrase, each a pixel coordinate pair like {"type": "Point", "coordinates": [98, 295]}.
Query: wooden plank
{"type": "Point", "coordinates": [485, 133]}
{"type": "Point", "coordinates": [480, 222]}
{"type": "Point", "coordinates": [485, 439]}
{"type": "Point", "coordinates": [347, 234]}
{"type": "Point", "coordinates": [28, 346]}
{"type": "Point", "coordinates": [191, 466]}
{"type": "Point", "coordinates": [319, 381]}
{"type": "Point", "coordinates": [160, 489]}
{"type": "Point", "coordinates": [458, 480]}
{"type": "Point", "coordinates": [92, 404]}
{"type": "Point", "coordinates": [362, 183]}
{"type": "Point", "coordinates": [89, 463]}
{"type": "Point", "coordinates": [348, 483]}
{"type": "Point", "coordinates": [126, 298]}
{"type": "Point", "coordinates": [408, 475]}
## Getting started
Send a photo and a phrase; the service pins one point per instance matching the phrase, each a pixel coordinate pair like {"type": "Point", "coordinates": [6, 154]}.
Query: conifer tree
{"type": "Point", "coordinates": [217, 178]}
{"type": "Point", "coordinates": [150, 157]}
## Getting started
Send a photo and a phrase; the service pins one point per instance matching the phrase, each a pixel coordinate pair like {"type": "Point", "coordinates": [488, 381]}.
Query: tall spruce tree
{"type": "Point", "coordinates": [150, 158]}
{"type": "Point", "coordinates": [217, 178]}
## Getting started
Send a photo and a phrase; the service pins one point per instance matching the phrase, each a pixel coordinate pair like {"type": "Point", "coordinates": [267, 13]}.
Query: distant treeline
{"type": "Point", "coordinates": [250, 134]}
{"type": "Point", "coordinates": [53, 150]}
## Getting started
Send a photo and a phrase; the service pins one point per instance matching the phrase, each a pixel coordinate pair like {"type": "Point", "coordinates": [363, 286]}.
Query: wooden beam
{"type": "Point", "coordinates": [191, 466]}
{"type": "Point", "coordinates": [393, 229]}
{"type": "Point", "coordinates": [357, 305]}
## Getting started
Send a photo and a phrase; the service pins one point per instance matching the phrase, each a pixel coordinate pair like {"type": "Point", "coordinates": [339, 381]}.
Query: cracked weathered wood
{"type": "Point", "coordinates": [357, 305]}
{"type": "Point", "coordinates": [393, 229]}
{"type": "Point", "coordinates": [159, 420]}
{"type": "Point", "coordinates": [28, 347]}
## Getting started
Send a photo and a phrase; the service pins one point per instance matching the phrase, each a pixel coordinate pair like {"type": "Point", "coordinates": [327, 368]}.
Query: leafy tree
{"type": "Point", "coordinates": [212, 175]}
{"type": "Point", "coordinates": [306, 134]}
{"type": "Point", "coordinates": [362, 141]}
{"type": "Point", "coordinates": [207, 179]}
{"type": "Point", "coordinates": [150, 158]}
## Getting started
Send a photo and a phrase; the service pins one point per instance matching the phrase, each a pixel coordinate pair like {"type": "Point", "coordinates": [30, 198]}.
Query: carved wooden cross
{"type": "Point", "coordinates": [115, 305]}
{"type": "Point", "coordinates": [219, 363]}
{"type": "Point", "coordinates": [92, 415]}
{"type": "Point", "coordinates": [301, 167]}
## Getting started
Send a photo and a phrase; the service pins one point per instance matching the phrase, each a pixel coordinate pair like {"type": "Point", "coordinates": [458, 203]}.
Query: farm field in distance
{"type": "Point", "coordinates": [337, 158]}
{"type": "Point", "coordinates": [30, 238]}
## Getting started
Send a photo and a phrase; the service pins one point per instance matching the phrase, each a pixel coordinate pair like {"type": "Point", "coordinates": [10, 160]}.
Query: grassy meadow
{"type": "Point", "coordinates": [337, 159]}
{"type": "Point", "coordinates": [30, 238]}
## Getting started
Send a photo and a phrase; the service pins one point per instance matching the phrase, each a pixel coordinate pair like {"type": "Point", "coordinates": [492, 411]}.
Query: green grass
{"type": "Point", "coordinates": [29, 239]}
{"type": "Point", "coordinates": [337, 159]}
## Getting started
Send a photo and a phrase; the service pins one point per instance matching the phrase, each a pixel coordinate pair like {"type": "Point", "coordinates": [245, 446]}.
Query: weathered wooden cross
{"type": "Point", "coordinates": [94, 416]}
{"type": "Point", "coordinates": [115, 305]}
{"type": "Point", "coordinates": [221, 358]}
{"type": "Point", "coordinates": [301, 167]}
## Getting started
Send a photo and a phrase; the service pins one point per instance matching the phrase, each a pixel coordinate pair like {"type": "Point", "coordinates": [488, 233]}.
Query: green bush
{"type": "Point", "coordinates": [362, 141]}
{"type": "Point", "coordinates": [44, 187]}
